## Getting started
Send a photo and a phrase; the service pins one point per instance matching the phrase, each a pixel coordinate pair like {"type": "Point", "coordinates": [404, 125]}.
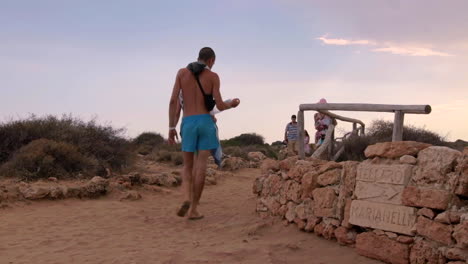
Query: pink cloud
{"type": "Point", "coordinates": [388, 48]}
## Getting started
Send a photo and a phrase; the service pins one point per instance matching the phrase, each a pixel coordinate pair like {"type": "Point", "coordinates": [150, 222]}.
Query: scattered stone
{"type": "Point", "coordinates": [233, 163]}
{"type": "Point", "coordinates": [256, 156]}
{"type": "Point", "coordinates": [382, 248]}
{"type": "Point", "coordinates": [131, 196]}
{"type": "Point", "coordinates": [324, 202]}
{"type": "Point", "coordinates": [330, 177]}
{"type": "Point", "coordinates": [154, 188]}
{"type": "Point", "coordinates": [434, 163]}
{"type": "Point", "coordinates": [430, 198]}
{"type": "Point", "coordinates": [394, 150]}
{"type": "Point", "coordinates": [311, 223]}
{"type": "Point", "coordinates": [309, 184]}
{"type": "Point", "coordinates": [448, 217]}
{"type": "Point", "coordinates": [461, 234]}
{"type": "Point", "coordinates": [291, 212]}
{"type": "Point", "coordinates": [456, 254]}
{"type": "Point", "coordinates": [288, 163]}
{"type": "Point", "coordinates": [435, 231]}
{"type": "Point", "coordinates": [405, 239]}
{"type": "Point", "coordinates": [424, 252]}
{"type": "Point", "coordinates": [329, 232]}
{"type": "Point", "coordinates": [407, 159]}
{"type": "Point", "coordinates": [33, 192]}
{"type": "Point", "coordinates": [426, 212]}
{"type": "Point", "coordinates": [378, 232]}
{"type": "Point", "coordinates": [52, 179]}
{"type": "Point", "coordinates": [96, 187]}
{"type": "Point", "coordinates": [269, 165]}
{"type": "Point", "coordinates": [58, 192]}
{"type": "Point", "coordinates": [391, 235]}
{"type": "Point", "coordinates": [319, 228]}
{"type": "Point", "coordinates": [345, 236]}
{"type": "Point", "coordinates": [301, 224]}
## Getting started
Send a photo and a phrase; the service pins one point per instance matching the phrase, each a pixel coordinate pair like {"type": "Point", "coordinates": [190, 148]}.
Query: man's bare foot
{"type": "Point", "coordinates": [183, 209]}
{"type": "Point", "coordinates": [194, 215]}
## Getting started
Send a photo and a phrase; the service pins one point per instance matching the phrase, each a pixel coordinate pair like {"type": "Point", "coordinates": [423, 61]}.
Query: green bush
{"type": "Point", "coordinates": [102, 143]}
{"type": "Point", "coordinates": [149, 138]}
{"type": "Point", "coordinates": [244, 140]}
{"type": "Point", "coordinates": [45, 158]}
{"type": "Point", "coordinates": [381, 131]}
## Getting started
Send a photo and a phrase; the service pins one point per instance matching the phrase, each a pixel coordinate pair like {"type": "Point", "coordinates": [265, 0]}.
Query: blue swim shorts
{"type": "Point", "coordinates": [198, 133]}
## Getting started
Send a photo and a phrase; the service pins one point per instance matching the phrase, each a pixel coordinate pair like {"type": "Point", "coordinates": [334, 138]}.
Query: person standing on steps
{"type": "Point", "coordinates": [200, 91]}
{"type": "Point", "coordinates": [291, 135]}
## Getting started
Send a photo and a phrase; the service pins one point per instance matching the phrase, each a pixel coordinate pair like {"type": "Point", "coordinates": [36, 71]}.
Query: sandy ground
{"type": "Point", "coordinates": [148, 231]}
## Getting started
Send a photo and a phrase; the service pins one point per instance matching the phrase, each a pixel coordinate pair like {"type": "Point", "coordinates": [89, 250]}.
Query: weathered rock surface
{"type": "Point", "coordinates": [330, 177]}
{"type": "Point", "coordinates": [435, 231]}
{"type": "Point", "coordinates": [382, 248]}
{"type": "Point", "coordinates": [461, 234]}
{"type": "Point", "coordinates": [423, 252]}
{"type": "Point", "coordinates": [430, 198]}
{"type": "Point", "coordinates": [324, 202]}
{"type": "Point", "coordinates": [130, 196]}
{"type": "Point", "coordinates": [269, 164]}
{"type": "Point", "coordinates": [407, 159]}
{"type": "Point", "coordinates": [345, 236]}
{"type": "Point", "coordinates": [394, 150]}
{"type": "Point", "coordinates": [233, 163]}
{"type": "Point", "coordinates": [426, 212]}
{"type": "Point", "coordinates": [96, 187]}
{"type": "Point", "coordinates": [288, 163]}
{"type": "Point", "coordinates": [434, 163]}
{"type": "Point", "coordinates": [305, 209]}
{"type": "Point", "coordinates": [256, 156]}
{"type": "Point", "coordinates": [33, 192]}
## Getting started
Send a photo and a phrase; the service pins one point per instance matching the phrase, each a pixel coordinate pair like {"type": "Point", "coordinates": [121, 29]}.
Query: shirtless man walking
{"type": "Point", "coordinates": [198, 130]}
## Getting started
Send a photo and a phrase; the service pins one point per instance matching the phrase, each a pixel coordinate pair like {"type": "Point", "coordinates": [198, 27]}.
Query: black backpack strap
{"type": "Point", "coordinates": [199, 85]}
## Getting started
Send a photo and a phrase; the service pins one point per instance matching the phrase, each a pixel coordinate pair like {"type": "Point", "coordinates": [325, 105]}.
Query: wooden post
{"type": "Point", "coordinates": [398, 126]}
{"type": "Point", "coordinates": [355, 131]}
{"type": "Point", "coordinates": [300, 120]}
{"type": "Point", "coordinates": [331, 147]}
{"type": "Point", "coordinates": [363, 130]}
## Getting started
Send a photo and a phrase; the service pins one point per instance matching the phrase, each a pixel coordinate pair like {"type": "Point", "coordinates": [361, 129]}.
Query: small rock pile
{"type": "Point", "coordinates": [407, 203]}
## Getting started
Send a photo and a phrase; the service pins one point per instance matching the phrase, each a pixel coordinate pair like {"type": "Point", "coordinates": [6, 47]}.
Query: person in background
{"type": "Point", "coordinates": [306, 142]}
{"type": "Point", "coordinates": [322, 122]}
{"type": "Point", "coordinates": [291, 135]}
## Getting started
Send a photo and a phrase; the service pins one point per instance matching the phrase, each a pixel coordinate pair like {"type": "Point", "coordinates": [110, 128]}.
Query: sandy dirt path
{"type": "Point", "coordinates": [148, 231]}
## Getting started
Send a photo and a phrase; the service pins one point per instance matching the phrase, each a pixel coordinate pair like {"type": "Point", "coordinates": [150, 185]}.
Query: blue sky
{"type": "Point", "coordinates": [117, 59]}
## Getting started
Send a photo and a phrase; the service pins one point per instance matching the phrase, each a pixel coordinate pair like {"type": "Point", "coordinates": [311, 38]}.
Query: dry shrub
{"type": "Point", "coordinates": [381, 131]}
{"type": "Point", "coordinates": [100, 142]}
{"type": "Point", "coordinates": [146, 142]}
{"type": "Point", "coordinates": [45, 158]}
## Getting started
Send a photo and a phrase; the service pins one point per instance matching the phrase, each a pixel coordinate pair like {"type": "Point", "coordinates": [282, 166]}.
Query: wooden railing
{"type": "Point", "coordinates": [399, 110]}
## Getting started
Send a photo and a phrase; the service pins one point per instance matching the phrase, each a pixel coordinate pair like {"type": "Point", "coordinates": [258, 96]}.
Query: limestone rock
{"type": "Point", "coordinates": [288, 163]}
{"type": "Point", "coordinates": [329, 232]}
{"type": "Point", "coordinates": [346, 213]}
{"type": "Point", "coordinates": [424, 253]}
{"type": "Point", "coordinates": [434, 231]}
{"type": "Point", "coordinates": [319, 228]}
{"type": "Point", "coordinates": [233, 163]}
{"type": "Point", "coordinates": [345, 236]}
{"type": "Point", "coordinates": [324, 202]}
{"type": "Point", "coordinates": [269, 164]}
{"type": "Point", "coordinates": [294, 192]}
{"type": "Point", "coordinates": [461, 234]}
{"type": "Point", "coordinates": [291, 212]}
{"type": "Point", "coordinates": [161, 179]}
{"type": "Point", "coordinates": [305, 209]}
{"type": "Point", "coordinates": [311, 223]}
{"type": "Point", "coordinates": [299, 169]}
{"type": "Point", "coordinates": [330, 177]}
{"type": "Point", "coordinates": [430, 198]}
{"type": "Point", "coordinates": [382, 248]}
{"type": "Point", "coordinates": [405, 239]}
{"type": "Point", "coordinates": [131, 196]}
{"type": "Point", "coordinates": [407, 159]}
{"type": "Point", "coordinates": [258, 184]}
{"type": "Point", "coordinates": [309, 183]}
{"type": "Point", "coordinates": [33, 192]}
{"type": "Point", "coordinates": [456, 254]}
{"type": "Point", "coordinates": [448, 217]}
{"type": "Point", "coordinates": [96, 187]}
{"type": "Point", "coordinates": [256, 156]}
{"type": "Point", "coordinates": [394, 150]}
{"type": "Point", "coordinates": [434, 163]}
{"type": "Point", "coordinates": [426, 212]}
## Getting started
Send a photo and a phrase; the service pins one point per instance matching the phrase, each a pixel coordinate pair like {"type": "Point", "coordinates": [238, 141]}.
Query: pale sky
{"type": "Point", "coordinates": [117, 59]}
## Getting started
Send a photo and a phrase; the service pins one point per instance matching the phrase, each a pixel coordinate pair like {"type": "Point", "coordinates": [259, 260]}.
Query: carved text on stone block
{"type": "Point", "coordinates": [394, 174]}
{"type": "Point", "coordinates": [389, 217]}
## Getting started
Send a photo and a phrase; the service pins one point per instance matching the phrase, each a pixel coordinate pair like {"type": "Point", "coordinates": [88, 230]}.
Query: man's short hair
{"type": "Point", "coordinates": [206, 53]}
{"type": "Point", "coordinates": [293, 116]}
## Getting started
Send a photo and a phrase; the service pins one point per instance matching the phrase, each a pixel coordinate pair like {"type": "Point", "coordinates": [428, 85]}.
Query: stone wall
{"type": "Point", "coordinates": [407, 203]}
